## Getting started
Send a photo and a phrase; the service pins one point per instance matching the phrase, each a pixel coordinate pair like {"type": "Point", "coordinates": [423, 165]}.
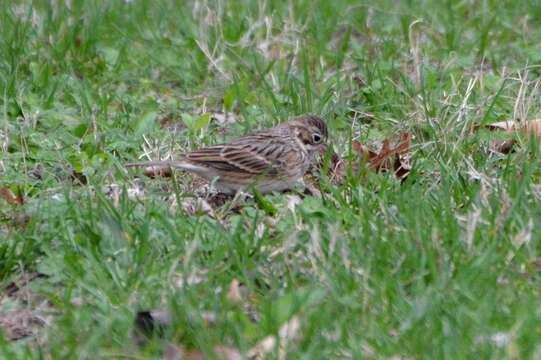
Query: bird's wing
{"type": "Point", "coordinates": [255, 155]}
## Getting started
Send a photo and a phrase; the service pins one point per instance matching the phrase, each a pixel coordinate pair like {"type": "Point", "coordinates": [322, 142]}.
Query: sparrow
{"type": "Point", "coordinates": [274, 159]}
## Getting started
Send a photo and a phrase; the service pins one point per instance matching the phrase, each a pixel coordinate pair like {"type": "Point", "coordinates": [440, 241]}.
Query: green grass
{"type": "Point", "coordinates": [441, 266]}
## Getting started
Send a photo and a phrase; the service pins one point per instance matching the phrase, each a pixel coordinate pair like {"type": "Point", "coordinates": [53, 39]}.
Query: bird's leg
{"type": "Point", "coordinates": [311, 189]}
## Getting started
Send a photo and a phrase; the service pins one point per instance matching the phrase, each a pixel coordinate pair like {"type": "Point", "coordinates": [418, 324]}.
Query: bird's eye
{"type": "Point", "coordinates": [316, 138]}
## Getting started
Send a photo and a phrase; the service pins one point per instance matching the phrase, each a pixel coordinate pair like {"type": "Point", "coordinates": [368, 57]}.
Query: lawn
{"type": "Point", "coordinates": [443, 265]}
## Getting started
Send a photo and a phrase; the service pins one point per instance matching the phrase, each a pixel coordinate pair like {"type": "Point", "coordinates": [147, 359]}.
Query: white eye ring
{"type": "Point", "coordinates": [316, 138]}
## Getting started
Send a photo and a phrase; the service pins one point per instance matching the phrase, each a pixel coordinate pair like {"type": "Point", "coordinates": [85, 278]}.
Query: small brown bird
{"type": "Point", "coordinates": [273, 159]}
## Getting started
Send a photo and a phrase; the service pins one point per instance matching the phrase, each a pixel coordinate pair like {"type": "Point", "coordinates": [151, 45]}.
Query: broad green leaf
{"type": "Point", "coordinates": [202, 121]}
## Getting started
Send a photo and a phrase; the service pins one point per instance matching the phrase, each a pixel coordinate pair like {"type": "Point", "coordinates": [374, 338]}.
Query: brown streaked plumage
{"type": "Point", "coordinates": [273, 159]}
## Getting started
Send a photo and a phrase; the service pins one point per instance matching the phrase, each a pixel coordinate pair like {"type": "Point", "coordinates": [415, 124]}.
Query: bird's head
{"type": "Point", "coordinates": [311, 133]}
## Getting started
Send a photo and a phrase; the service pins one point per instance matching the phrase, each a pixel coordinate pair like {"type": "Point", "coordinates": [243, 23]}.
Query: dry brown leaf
{"type": "Point", "coordinates": [388, 158]}
{"type": "Point", "coordinates": [363, 150]}
{"type": "Point", "coordinates": [387, 153]}
{"type": "Point", "coordinates": [384, 154]}
{"type": "Point", "coordinates": [527, 127]}
{"type": "Point", "coordinates": [10, 197]}
{"type": "Point", "coordinates": [502, 146]}
{"type": "Point", "coordinates": [532, 127]}
{"type": "Point", "coordinates": [405, 144]}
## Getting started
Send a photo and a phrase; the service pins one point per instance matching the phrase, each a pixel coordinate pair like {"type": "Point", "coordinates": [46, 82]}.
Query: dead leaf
{"type": "Point", "coordinates": [10, 197]}
{"type": "Point", "coordinates": [532, 127]}
{"type": "Point", "coordinates": [387, 153]}
{"type": "Point", "coordinates": [510, 126]}
{"type": "Point", "coordinates": [502, 146]}
{"type": "Point", "coordinates": [384, 154]}
{"type": "Point", "coordinates": [363, 150]}
{"type": "Point", "coordinates": [388, 158]}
